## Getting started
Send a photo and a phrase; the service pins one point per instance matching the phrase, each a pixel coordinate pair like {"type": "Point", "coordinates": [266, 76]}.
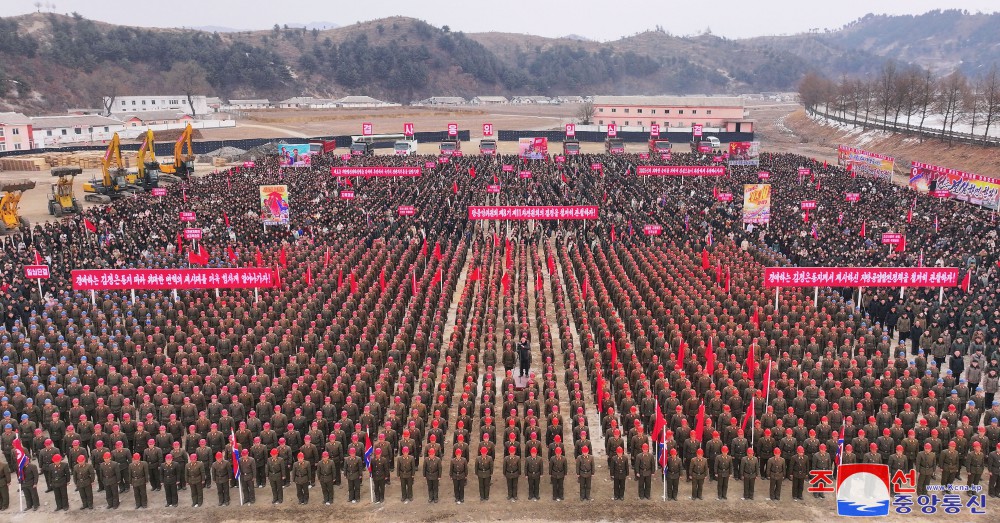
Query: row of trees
{"type": "Point", "coordinates": [909, 98]}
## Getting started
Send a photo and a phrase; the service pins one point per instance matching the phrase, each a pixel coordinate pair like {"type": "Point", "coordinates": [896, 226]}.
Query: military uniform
{"type": "Point", "coordinates": [326, 473]}
{"type": "Point", "coordinates": [222, 475]}
{"type": "Point", "coordinates": [975, 463]}
{"type": "Point", "coordinates": [645, 465]}
{"type": "Point", "coordinates": [432, 473]}
{"type": "Point", "coordinates": [993, 465]}
{"type": "Point", "coordinates": [459, 473]}
{"type": "Point", "coordinates": [926, 465]}
{"type": "Point", "coordinates": [276, 477]}
{"type": "Point", "coordinates": [60, 480]}
{"type": "Point", "coordinates": [823, 461]}
{"type": "Point", "coordinates": [775, 471]}
{"type": "Point", "coordinates": [585, 474]}
{"type": "Point", "coordinates": [557, 474]}
{"type": "Point", "coordinates": [29, 486]}
{"type": "Point", "coordinates": [723, 471]}
{"type": "Point", "coordinates": [380, 475]}
{"type": "Point", "coordinates": [484, 472]}
{"type": "Point", "coordinates": [950, 465]}
{"type": "Point", "coordinates": [512, 472]}
{"type": "Point", "coordinates": [698, 470]}
{"type": "Point", "coordinates": [83, 478]}
{"type": "Point", "coordinates": [533, 468]}
{"type": "Point", "coordinates": [799, 469]}
{"type": "Point", "coordinates": [618, 468]}
{"type": "Point", "coordinates": [675, 465]}
{"type": "Point", "coordinates": [248, 478]}
{"type": "Point", "coordinates": [406, 468]}
{"type": "Point", "coordinates": [5, 484]}
{"type": "Point", "coordinates": [352, 472]}
{"type": "Point", "coordinates": [170, 475]}
{"type": "Point", "coordinates": [749, 465]}
{"type": "Point", "coordinates": [112, 476]}
{"type": "Point", "coordinates": [138, 474]}
{"type": "Point", "coordinates": [300, 477]}
{"type": "Point", "coordinates": [195, 473]}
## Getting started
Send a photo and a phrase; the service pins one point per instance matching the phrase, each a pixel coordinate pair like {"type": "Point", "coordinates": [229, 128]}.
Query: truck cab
{"type": "Point", "coordinates": [659, 146]}
{"type": "Point", "coordinates": [614, 145]}
{"type": "Point", "coordinates": [405, 147]}
{"type": "Point", "coordinates": [450, 146]}
{"type": "Point", "coordinates": [362, 148]}
{"type": "Point", "coordinates": [571, 147]}
{"type": "Point", "coordinates": [706, 145]}
{"type": "Point", "coordinates": [488, 147]}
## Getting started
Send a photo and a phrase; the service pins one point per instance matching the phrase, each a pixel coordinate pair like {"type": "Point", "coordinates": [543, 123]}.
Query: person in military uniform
{"type": "Point", "coordinates": [557, 473]}
{"type": "Point", "coordinates": [512, 472]}
{"type": "Point", "coordinates": [222, 475]}
{"type": "Point", "coordinates": [60, 480]}
{"type": "Point", "coordinates": [926, 465]}
{"type": "Point", "coordinates": [585, 472]}
{"type": "Point", "coordinates": [138, 475]}
{"type": "Point", "coordinates": [5, 482]}
{"type": "Point", "coordinates": [326, 474]}
{"type": "Point", "coordinates": [698, 470]}
{"type": "Point", "coordinates": [194, 473]}
{"type": "Point", "coordinates": [432, 473]}
{"type": "Point", "coordinates": [83, 478]}
{"type": "Point", "coordinates": [248, 476]}
{"type": "Point", "coordinates": [723, 471]}
{"type": "Point", "coordinates": [111, 475]}
{"type": "Point", "coordinates": [29, 486]}
{"type": "Point", "coordinates": [352, 472]}
{"type": "Point", "coordinates": [674, 466]}
{"type": "Point", "coordinates": [822, 460]}
{"type": "Point", "coordinates": [153, 457]}
{"type": "Point", "coordinates": [618, 469]}
{"type": "Point", "coordinates": [300, 477]}
{"type": "Point", "coordinates": [459, 472]}
{"type": "Point", "coordinates": [484, 472]}
{"type": "Point", "coordinates": [645, 465]}
{"type": "Point", "coordinates": [406, 468]}
{"type": "Point", "coordinates": [533, 468]}
{"type": "Point", "coordinates": [799, 468]}
{"type": "Point", "coordinates": [975, 464]}
{"type": "Point", "coordinates": [993, 465]}
{"type": "Point", "coordinates": [170, 476]}
{"type": "Point", "coordinates": [276, 477]}
{"type": "Point", "coordinates": [950, 465]}
{"type": "Point", "coordinates": [750, 467]}
{"type": "Point", "coordinates": [381, 473]}
{"type": "Point", "coordinates": [775, 471]}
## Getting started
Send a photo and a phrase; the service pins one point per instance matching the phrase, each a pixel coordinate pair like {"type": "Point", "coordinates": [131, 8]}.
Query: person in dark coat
{"type": "Point", "coordinates": [195, 473]}
{"type": "Point", "coordinates": [585, 472]}
{"type": "Point", "coordinates": [326, 474]}
{"type": "Point", "coordinates": [61, 475]}
{"type": "Point", "coordinates": [353, 466]}
{"type": "Point", "coordinates": [170, 476]}
{"type": "Point", "coordinates": [750, 466]}
{"type": "Point", "coordinates": [459, 473]}
{"type": "Point", "coordinates": [484, 473]}
{"type": "Point", "coordinates": [83, 477]}
{"type": "Point", "coordinates": [112, 476]}
{"type": "Point", "coordinates": [523, 357]}
{"type": "Point", "coordinates": [557, 473]}
{"type": "Point", "coordinates": [300, 477]}
{"type": "Point", "coordinates": [618, 469]}
{"type": "Point", "coordinates": [381, 471]}
{"type": "Point", "coordinates": [248, 476]}
{"type": "Point", "coordinates": [432, 473]}
{"type": "Point", "coordinates": [222, 475]}
{"type": "Point", "coordinates": [533, 468]}
{"type": "Point", "coordinates": [29, 485]}
{"type": "Point", "coordinates": [276, 477]}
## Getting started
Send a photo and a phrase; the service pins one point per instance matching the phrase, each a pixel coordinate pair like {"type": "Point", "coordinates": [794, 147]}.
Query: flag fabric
{"type": "Point", "coordinates": [612, 233]}
{"type": "Point", "coordinates": [966, 281]}
{"type": "Point", "coordinates": [687, 222]}
{"type": "Point", "coordinates": [475, 274]}
{"type": "Point", "coordinates": [472, 172]}
{"type": "Point", "coordinates": [231, 253]}
{"type": "Point", "coordinates": [354, 284]}
{"type": "Point", "coordinates": [20, 457]}
{"type": "Point", "coordinates": [751, 362]}
{"type": "Point", "coordinates": [699, 424]}
{"type": "Point", "coordinates": [326, 258]}
{"type": "Point", "coordinates": [901, 246]}
{"type": "Point", "coordinates": [423, 248]}
{"type": "Point", "coordinates": [755, 318]}
{"type": "Point", "coordinates": [283, 257]}
{"type": "Point", "coordinates": [749, 414]}
{"type": "Point", "coordinates": [909, 215]}
{"type": "Point", "coordinates": [277, 277]}
{"type": "Point", "coordinates": [184, 194]}
{"type": "Point", "coordinates": [680, 355]}
{"type": "Point", "coordinates": [381, 280]}
{"type": "Point", "coordinates": [38, 258]}
{"type": "Point", "coordinates": [236, 454]}
{"type": "Point", "coordinates": [225, 217]}
{"type": "Point", "coordinates": [340, 278]}
{"type": "Point", "coordinates": [563, 176]}
{"type": "Point", "coordinates": [935, 223]}
{"type": "Point", "coordinates": [704, 259]}
{"type": "Point", "coordinates": [505, 281]}
{"type": "Point", "coordinates": [659, 432]}
{"type": "Point", "coordinates": [586, 282]}
{"type": "Point", "coordinates": [710, 238]}
{"type": "Point", "coordinates": [552, 265]}
{"type": "Point", "coordinates": [368, 452]}
{"type": "Point", "coordinates": [805, 217]}
{"type": "Point", "coordinates": [600, 392]}
{"type": "Point", "coordinates": [437, 251]}
{"type": "Point", "coordinates": [180, 244]}
{"type": "Point", "coordinates": [614, 355]}
{"type": "Point", "coordinates": [766, 381]}
{"type": "Point", "coordinates": [709, 358]}
{"type": "Point", "coordinates": [815, 234]}
{"type": "Point", "coordinates": [309, 275]}
{"type": "Point", "coordinates": [454, 187]}
{"type": "Point", "coordinates": [413, 281]}
{"type": "Point", "coordinates": [728, 278]}
{"type": "Point", "coordinates": [89, 225]}
{"type": "Point", "coordinates": [920, 261]}
{"type": "Point", "coordinates": [840, 218]}
{"type": "Point", "coordinates": [259, 258]}
{"type": "Point", "coordinates": [863, 228]}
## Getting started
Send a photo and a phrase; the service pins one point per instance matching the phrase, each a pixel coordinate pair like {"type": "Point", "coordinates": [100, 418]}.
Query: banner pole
{"type": "Point", "coordinates": [941, 297]}
{"type": "Point", "coordinates": [776, 299]}
{"type": "Point", "coordinates": [93, 299]}
{"type": "Point", "coordinates": [816, 297]}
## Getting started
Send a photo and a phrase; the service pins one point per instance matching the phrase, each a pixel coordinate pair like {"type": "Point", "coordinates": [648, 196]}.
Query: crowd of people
{"type": "Point", "coordinates": [403, 348]}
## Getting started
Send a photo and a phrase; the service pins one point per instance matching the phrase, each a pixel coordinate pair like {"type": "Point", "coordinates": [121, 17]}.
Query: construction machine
{"type": "Point", "coordinates": [61, 199]}
{"type": "Point", "coordinates": [10, 220]}
{"type": "Point", "coordinates": [148, 173]}
{"type": "Point", "coordinates": [183, 166]}
{"type": "Point", "coordinates": [114, 183]}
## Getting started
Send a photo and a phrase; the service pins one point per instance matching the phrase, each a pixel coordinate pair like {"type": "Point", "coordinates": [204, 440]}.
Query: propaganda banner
{"type": "Point", "coordinates": [168, 279]}
{"type": "Point", "coordinates": [374, 172]}
{"type": "Point", "coordinates": [860, 277]}
{"type": "Point", "coordinates": [756, 203]}
{"type": "Point", "coordinates": [36, 272]}
{"type": "Point", "coordinates": [541, 212]}
{"type": "Point", "coordinates": [963, 186]}
{"type": "Point", "coordinates": [294, 155]}
{"type": "Point", "coordinates": [680, 170]}
{"type": "Point", "coordinates": [533, 148]}
{"type": "Point", "coordinates": [744, 153]}
{"type": "Point", "coordinates": [866, 162]}
{"type": "Point", "coordinates": [407, 210]}
{"type": "Point", "coordinates": [274, 207]}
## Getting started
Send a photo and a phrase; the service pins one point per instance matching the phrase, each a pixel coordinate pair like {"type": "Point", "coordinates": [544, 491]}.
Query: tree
{"type": "Point", "coordinates": [991, 98]}
{"type": "Point", "coordinates": [951, 91]}
{"type": "Point", "coordinates": [585, 113]}
{"type": "Point", "coordinates": [925, 94]}
{"type": "Point", "coordinates": [815, 89]}
{"type": "Point", "coordinates": [188, 78]}
{"type": "Point", "coordinates": [886, 90]}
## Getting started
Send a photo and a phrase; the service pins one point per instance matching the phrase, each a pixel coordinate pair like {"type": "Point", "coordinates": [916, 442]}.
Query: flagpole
{"type": "Point", "coordinates": [239, 484]}
{"type": "Point", "coordinates": [371, 480]}
{"type": "Point", "coordinates": [663, 452]}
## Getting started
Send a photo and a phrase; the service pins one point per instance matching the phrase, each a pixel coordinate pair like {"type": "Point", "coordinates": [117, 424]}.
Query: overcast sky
{"type": "Point", "coordinates": [595, 19]}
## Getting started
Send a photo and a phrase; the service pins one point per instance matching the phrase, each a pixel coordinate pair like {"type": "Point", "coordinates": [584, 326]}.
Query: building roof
{"type": "Point", "coordinates": [14, 119]}
{"type": "Point", "coordinates": [570, 98]}
{"type": "Point", "coordinates": [683, 101]}
{"type": "Point", "coordinates": [491, 98]}
{"type": "Point", "coordinates": [72, 120]}
{"type": "Point", "coordinates": [298, 100]}
{"type": "Point", "coordinates": [359, 100]}
{"type": "Point", "coordinates": [258, 101]}
{"type": "Point", "coordinates": [152, 115]}
{"type": "Point", "coordinates": [444, 100]}
{"type": "Point", "coordinates": [534, 98]}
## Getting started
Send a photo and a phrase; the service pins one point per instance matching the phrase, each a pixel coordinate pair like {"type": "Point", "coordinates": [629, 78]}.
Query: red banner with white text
{"type": "Point", "coordinates": [680, 170]}
{"type": "Point", "coordinates": [375, 171]}
{"type": "Point", "coordinates": [860, 277]}
{"type": "Point", "coordinates": [168, 279]}
{"type": "Point", "coordinates": [553, 212]}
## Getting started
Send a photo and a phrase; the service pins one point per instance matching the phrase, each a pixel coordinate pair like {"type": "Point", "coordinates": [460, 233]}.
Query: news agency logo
{"type": "Point", "coordinates": [863, 490]}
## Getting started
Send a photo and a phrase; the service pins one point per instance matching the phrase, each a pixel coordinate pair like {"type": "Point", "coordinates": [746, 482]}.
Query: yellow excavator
{"type": "Point", "coordinates": [114, 184]}
{"type": "Point", "coordinates": [148, 174]}
{"type": "Point", "coordinates": [10, 220]}
{"type": "Point", "coordinates": [61, 199]}
{"type": "Point", "coordinates": [183, 166]}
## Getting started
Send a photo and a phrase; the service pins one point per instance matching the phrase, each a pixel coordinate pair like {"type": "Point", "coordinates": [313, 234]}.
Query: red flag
{"type": "Point", "coordinates": [184, 194]}
{"type": "Point", "coordinates": [539, 282]}
{"type": "Point", "coordinates": [203, 256]}
{"type": "Point", "coordinates": [614, 354]}
{"type": "Point", "coordinates": [413, 282]}
{"type": "Point", "coordinates": [277, 277]}
{"type": "Point", "coordinates": [474, 275]}
{"type": "Point", "coordinates": [817, 184]}
{"type": "Point", "coordinates": [805, 217]}
{"type": "Point", "coordinates": [966, 281]}
{"type": "Point", "coordinates": [659, 429]}
{"type": "Point", "coordinates": [715, 193]}
{"type": "Point", "coordinates": [909, 215]}
{"type": "Point", "coordinates": [509, 257]}
{"type": "Point", "coordinates": [225, 217]}
{"type": "Point", "coordinates": [326, 258]}
{"type": "Point", "coordinates": [496, 240]}
{"type": "Point", "coordinates": [38, 258]}
{"type": "Point", "coordinates": [718, 274]}
{"type": "Point", "coordinates": [180, 244]}
{"type": "Point", "coordinates": [347, 181]}
{"type": "Point", "coordinates": [423, 248]}
{"type": "Point", "coordinates": [231, 253]}
{"type": "Point", "coordinates": [283, 257]}
{"type": "Point", "coordinates": [751, 362]}
{"type": "Point", "coordinates": [755, 318]}
{"type": "Point", "coordinates": [354, 284]}
{"type": "Point", "coordinates": [309, 275]}
{"type": "Point", "coordinates": [709, 358]}
{"type": "Point", "coordinates": [89, 225]}
{"type": "Point", "coordinates": [194, 258]}
{"type": "Point", "coordinates": [563, 176]}
{"type": "Point", "coordinates": [259, 258]}
{"type": "Point", "coordinates": [472, 172]}
{"type": "Point", "coordinates": [699, 424]}
{"type": "Point", "coordinates": [901, 246]}
{"type": "Point", "coordinates": [586, 281]}
{"type": "Point", "coordinates": [229, 182]}
{"type": "Point", "coordinates": [505, 281]}
{"type": "Point", "coordinates": [749, 414]}
{"type": "Point", "coordinates": [704, 259]}
{"type": "Point", "coordinates": [340, 278]}
{"type": "Point", "coordinates": [600, 392]}
{"type": "Point", "coordinates": [454, 187]}
{"type": "Point", "coordinates": [728, 278]}
{"type": "Point", "coordinates": [437, 251]}
{"type": "Point", "coordinates": [552, 266]}
{"type": "Point", "coordinates": [766, 382]}
{"type": "Point", "coordinates": [863, 228]}
{"type": "Point", "coordinates": [680, 355]}
{"type": "Point", "coordinates": [612, 233]}
{"type": "Point", "coordinates": [381, 280]}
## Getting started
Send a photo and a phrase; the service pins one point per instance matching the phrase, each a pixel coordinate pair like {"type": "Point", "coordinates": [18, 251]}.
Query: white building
{"type": "Point", "coordinates": [542, 100]}
{"type": "Point", "coordinates": [15, 132]}
{"type": "Point", "coordinates": [362, 101]}
{"type": "Point", "coordinates": [442, 100]}
{"type": "Point", "coordinates": [259, 103]}
{"type": "Point", "coordinates": [175, 102]}
{"type": "Point", "coordinates": [49, 131]}
{"type": "Point", "coordinates": [489, 100]}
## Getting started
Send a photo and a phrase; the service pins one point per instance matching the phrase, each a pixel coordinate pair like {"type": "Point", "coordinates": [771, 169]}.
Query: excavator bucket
{"type": "Point", "coordinates": [21, 185]}
{"type": "Point", "coordinates": [67, 171]}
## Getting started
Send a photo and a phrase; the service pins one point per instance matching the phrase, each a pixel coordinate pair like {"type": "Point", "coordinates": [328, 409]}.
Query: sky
{"type": "Point", "coordinates": [597, 20]}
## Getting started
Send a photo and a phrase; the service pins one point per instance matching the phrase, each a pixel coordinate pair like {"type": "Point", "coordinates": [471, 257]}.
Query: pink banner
{"type": "Point", "coordinates": [567, 212]}
{"type": "Point", "coordinates": [643, 156]}
{"type": "Point", "coordinates": [666, 156]}
{"type": "Point", "coordinates": [36, 272]}
{"type": "Point", "coordinates": [346, 195]}
{"type": "Point", "coordinates": [763, 175]}
{"type": "Point", "coordinates": [680, 170]}
{"type": "Point", "coordinates": [407, 210]}
{"type": "Point", "coordinates": [560, 159]}
{"type": "Point", "coordinates": [941, 194]}
{"type": "Point", "coordinates": [158, 191]}
{"type": "Point", "coordinates": [804, 171]}
{"type": "Point", "coordinates": [852, 196]}
{"type": "Point", "coordinates": [443, 159]}
{"type": "Point", "coordinates": [725, 197]}
{"type": "Point", "coordinates": [507, 168]}
{"type": "Point", "coordinates": [652, 229]}
{"type": "Point", "coordinates": [492, 189]}
{"type": "Point", "coordinates": [525, 174]}
{"type": "Point", "coordinates": [192, 234]}
{"type": "Point", "coordinates": [187, 216]}
{"type": "Point", "coordinates": [596, 167]}
{"type": "Point", "coordinates": [860, 277]}
{"type": "Point", "coordinates": [375, 171]}
{"type": "Point", "coordinates": [808, 205]}
{"type": "Point", "coordinates": [166, 279]}
{"type": "Point", "coordinates": [696, 129]}
{"type": "Point", "coordinates": [429, 165]}
{"type": "Point", "coordinates": [891, 238]}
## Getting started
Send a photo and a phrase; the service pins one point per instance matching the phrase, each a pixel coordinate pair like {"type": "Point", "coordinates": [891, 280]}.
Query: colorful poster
{"type": "Point", "coordinates": [165, 279]}
{"type": "Point", "coordinates": [744, 153]}
{"type": "Point", "coordinates": [860, 277]}
{"type": "Point", "coordinates": [756, 203]}
{"type": "Point", "coordinates": [294, 155]}
{"type": "Point", "coordinates": [967, 187]}
{"type": "Point", "coordinates": [533, 148]}
{"type": "Point", "coordinates": [274, 206]}
{"type": "Point", "coordinates": [866, 162]}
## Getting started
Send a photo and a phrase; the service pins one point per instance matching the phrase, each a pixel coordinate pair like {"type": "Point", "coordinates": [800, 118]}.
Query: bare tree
{"type": "Point", "coordinates": [926, 94]}
{"type": "Point", "coordinates": [886, 90]}
{"type": "Point", "coordinates": [585, 113]}
{"type": "Point", "coordinates": [865, 94]}
{"type": "Point", "coordinates": [972, 103]}
{"type": "Point", "coordinates": [815, 89]}
{"type": "Point", "coordinates": [910, 82]}
{"type": "Point", "coordinates": [991, 98]}
{"type": "Point", "coordinates": [952, 90]}
{"type": "Point", "coordinates": [188, 78]}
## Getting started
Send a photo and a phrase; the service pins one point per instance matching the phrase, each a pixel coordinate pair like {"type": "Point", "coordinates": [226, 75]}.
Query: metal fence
{"type": "Point", "coordinates": [896, 127]}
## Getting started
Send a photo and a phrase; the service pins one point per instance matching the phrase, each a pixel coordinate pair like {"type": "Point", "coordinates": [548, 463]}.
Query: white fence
{"type": "Point", "coordinates": [126, 133]}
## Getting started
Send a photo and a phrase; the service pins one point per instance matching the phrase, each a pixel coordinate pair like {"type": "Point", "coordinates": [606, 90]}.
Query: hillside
{"type": "Point", "coordinates": [53, 62]}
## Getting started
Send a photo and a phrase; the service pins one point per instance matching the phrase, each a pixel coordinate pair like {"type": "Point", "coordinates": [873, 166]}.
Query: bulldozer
{"type": "Point", "coordinates": [148, 174]}
{"type": "Point", "coordinates": [10, 220]}
{"type": "Point", "coordinates": [114, 183]}
{"type": "Point", "coordinates": [61, 199]}
{"type": "Point", "coordinates": [183, 166]}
